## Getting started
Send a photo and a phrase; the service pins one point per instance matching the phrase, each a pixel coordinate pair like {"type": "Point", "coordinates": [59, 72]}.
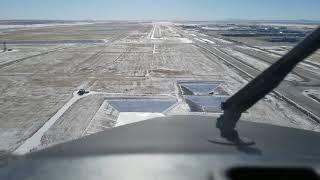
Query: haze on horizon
{"type": "Point", "coordinates": [160, 10]}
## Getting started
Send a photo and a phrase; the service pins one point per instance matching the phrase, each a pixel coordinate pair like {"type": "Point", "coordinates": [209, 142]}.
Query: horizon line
{"type": "Point", "coordinates": [200, 20]}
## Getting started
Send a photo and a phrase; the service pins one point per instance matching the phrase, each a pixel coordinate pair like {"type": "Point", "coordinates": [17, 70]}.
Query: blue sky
{"type": "Point", "coordinates": [160, 10]}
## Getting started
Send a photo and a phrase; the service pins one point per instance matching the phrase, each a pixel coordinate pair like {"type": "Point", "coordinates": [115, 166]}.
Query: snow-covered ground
{"type": "Point", "coordinates": [216, 28]}
{"type": "Point", "coordinates": [22, 51]}
{"type": "Point", "coordinates": [221, 40]}
{"type": "Point", "coordinates": [309, 67]}
{"type": "Point", "coordinates": [260, 65]}
{"type": "Point", "coordinates": [248, 59]}
{"type": "Point", "coordinates": [105, 40]}
{"type": "Point", "coordinates": [314, 94]}
{"type": "Point", "coordinates": [35, 140]}
{"type": "Point", "coordinates": [185, 40]}
{"type": "Point", "coordinates": [198, 39]}
{"type": "Point", "coordinates": [278, 51]}
{"type": "Point", "coordinates": [291, 25]}
{"type": "Point", "coordinates": [133, 117]}
{"type": "Point", "coordinates": [203, 40]}
{"type": "Point", "coordinates": [317, 63]}
{"type": "Point", "coordinates": [295, 118]}
{"type": "Point", "coordinates": [207, 40]}
{"type": "Point", "coordinates": [28, 26]}
{"type": "Point", "coordinates": [257, 48]}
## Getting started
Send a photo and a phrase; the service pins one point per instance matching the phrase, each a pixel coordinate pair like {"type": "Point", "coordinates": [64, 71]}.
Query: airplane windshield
{"type": "Point", "coordinates": [70, 69]}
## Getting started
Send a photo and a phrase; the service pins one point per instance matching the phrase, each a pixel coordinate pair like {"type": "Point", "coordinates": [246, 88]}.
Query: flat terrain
{"type": "Point", "coordinates": [39, 78]}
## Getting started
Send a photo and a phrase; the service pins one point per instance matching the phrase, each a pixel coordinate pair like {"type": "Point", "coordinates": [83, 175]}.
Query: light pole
{"type": "Point", "coordinates": [4, 46]}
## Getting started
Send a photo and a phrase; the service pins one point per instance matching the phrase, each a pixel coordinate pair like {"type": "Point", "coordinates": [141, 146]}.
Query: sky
{"type": "Point", "coordinates": [160, 9]}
